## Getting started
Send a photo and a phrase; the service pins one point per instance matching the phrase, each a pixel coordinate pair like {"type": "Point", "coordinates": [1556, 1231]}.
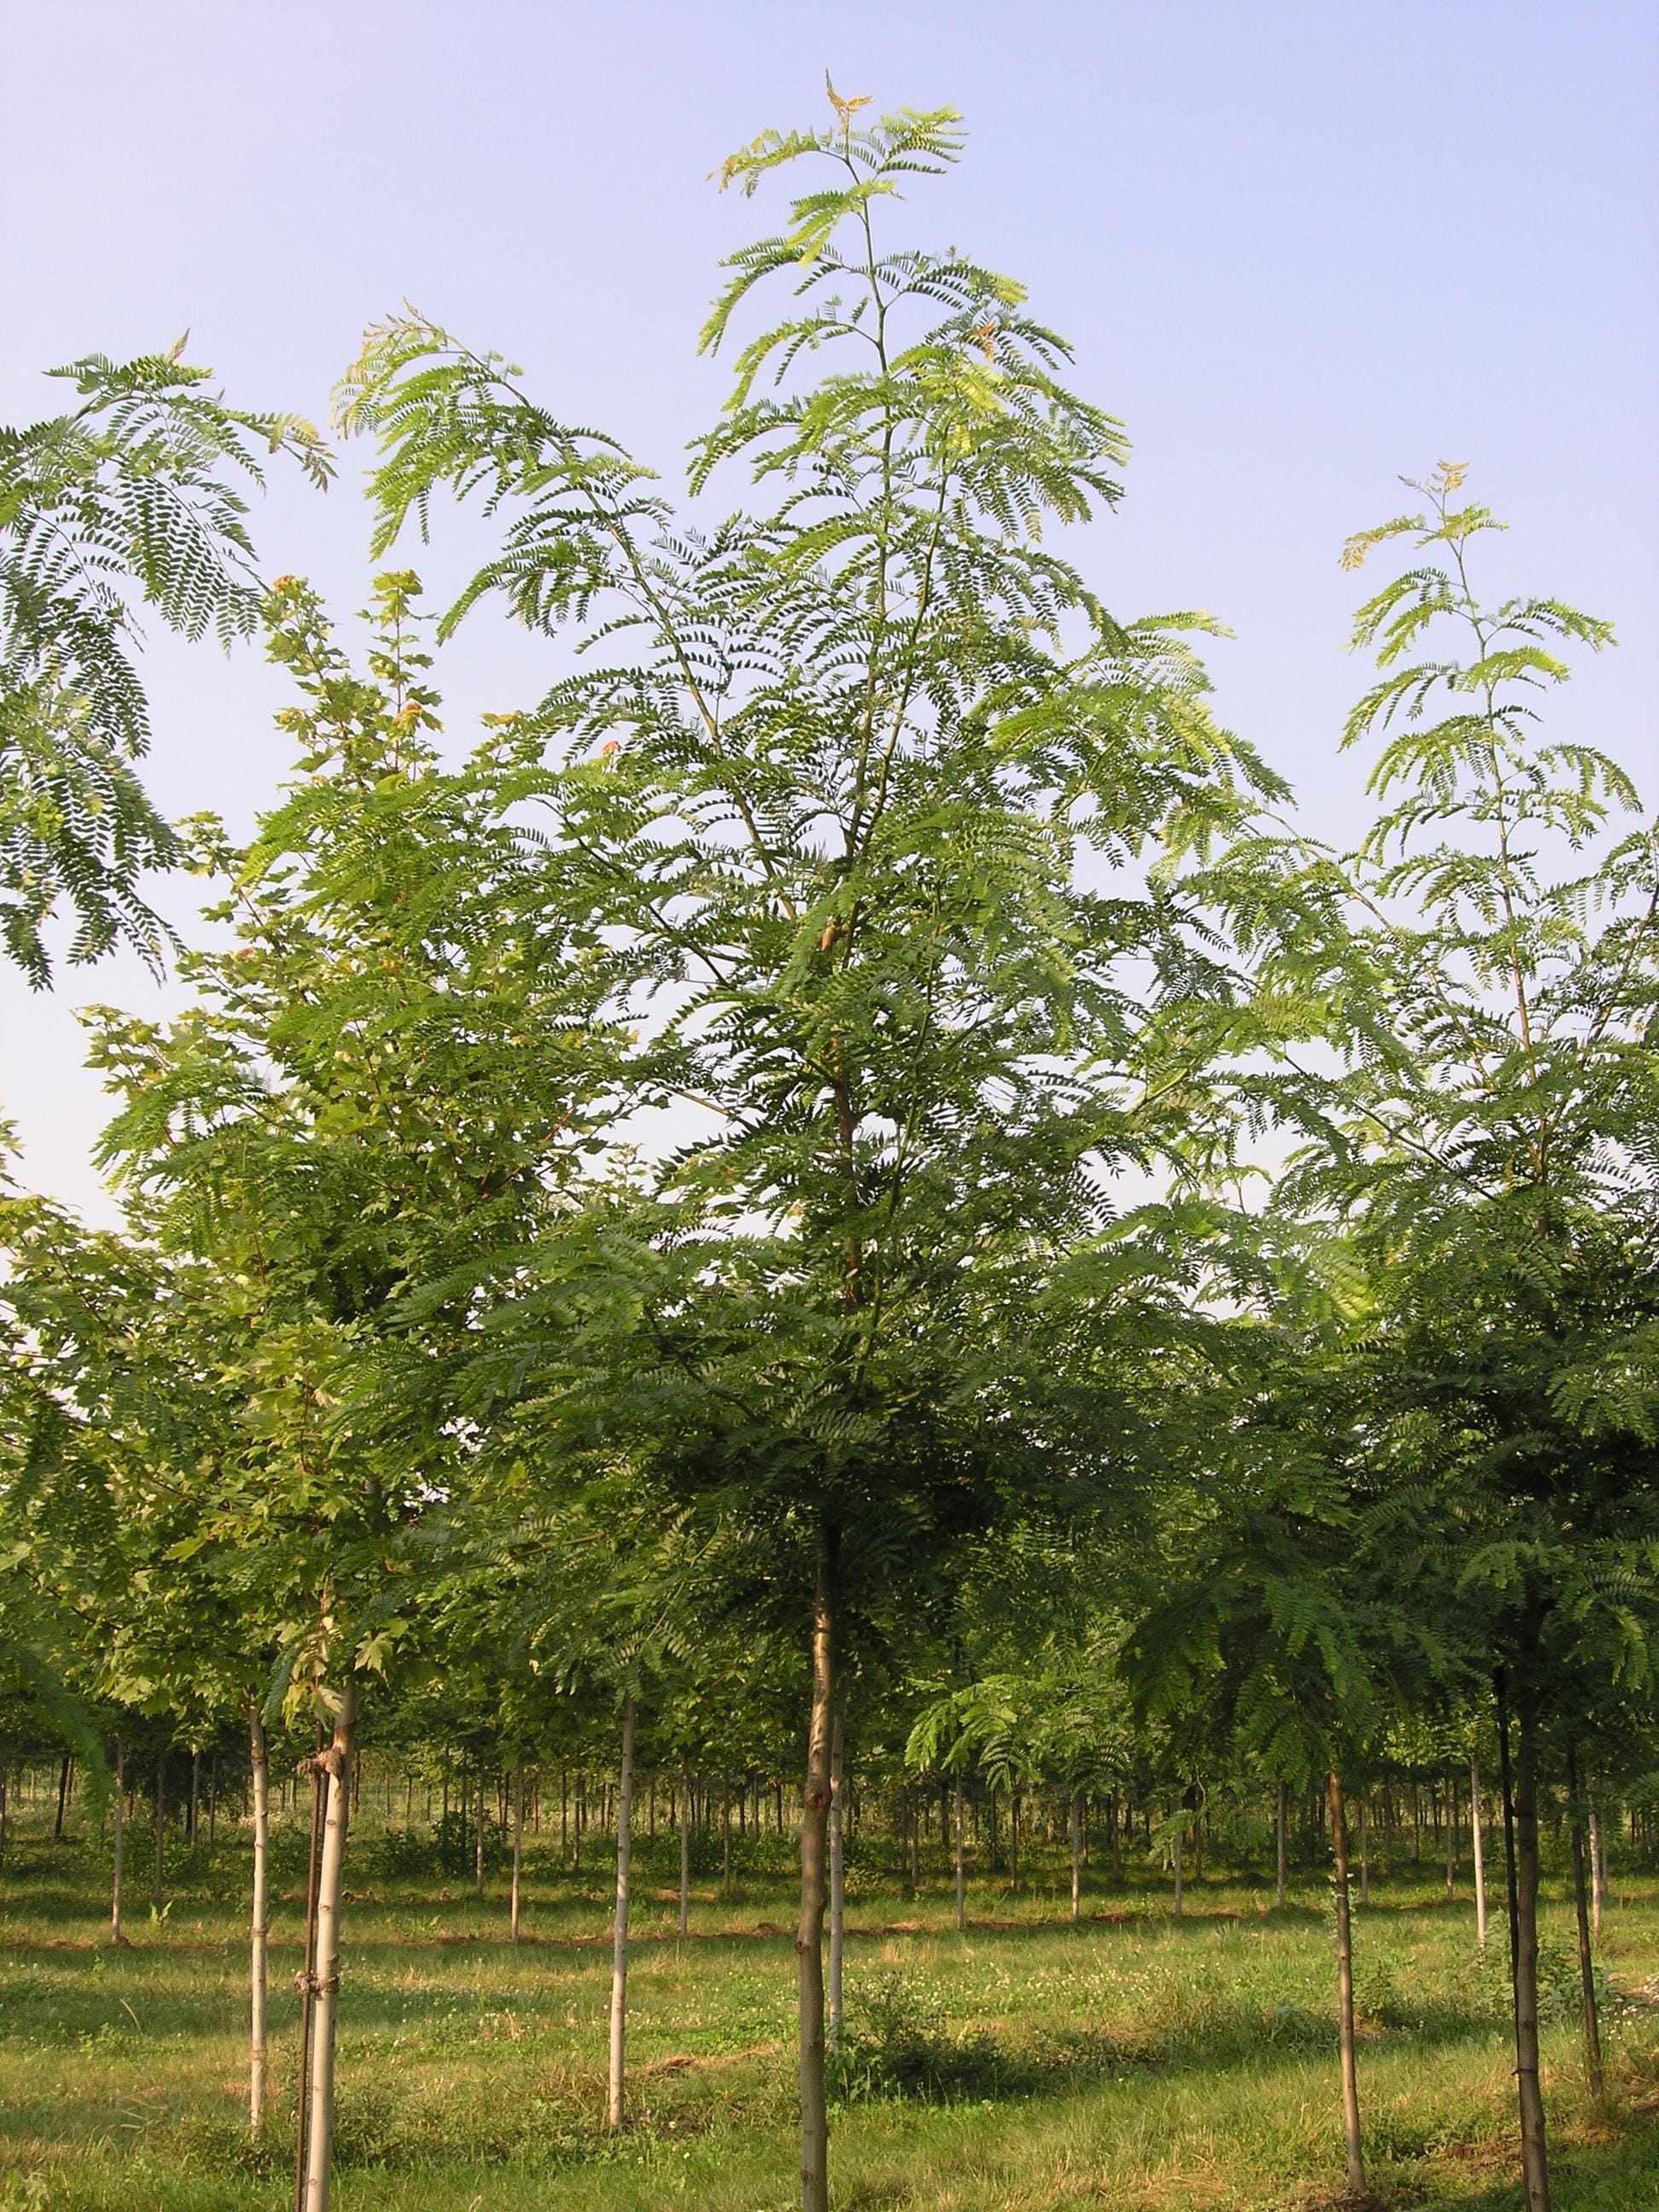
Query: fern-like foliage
{"type": "Point", "coordinates": [1478, 1116]}
{"type": "Point", "coordinates": [135, 498]}
{"type": "Point", "coordinates": [848, 774]}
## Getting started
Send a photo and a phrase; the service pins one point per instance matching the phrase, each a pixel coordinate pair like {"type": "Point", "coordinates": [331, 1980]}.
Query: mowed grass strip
{"type": "Point", "coordinates": [1138, 2059]}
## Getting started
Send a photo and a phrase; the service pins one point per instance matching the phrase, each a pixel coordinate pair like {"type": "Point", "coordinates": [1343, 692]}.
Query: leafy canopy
{"type": "Point", "coordinates": [135, 495]}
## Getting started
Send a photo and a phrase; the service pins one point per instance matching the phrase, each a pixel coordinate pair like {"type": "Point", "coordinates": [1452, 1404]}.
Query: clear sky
{"type": "Point", "coordinates": [1300, 249]}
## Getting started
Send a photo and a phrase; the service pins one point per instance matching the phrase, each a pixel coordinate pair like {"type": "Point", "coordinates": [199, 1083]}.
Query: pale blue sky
{"type": "Point", "coordinates": [1300, 248]}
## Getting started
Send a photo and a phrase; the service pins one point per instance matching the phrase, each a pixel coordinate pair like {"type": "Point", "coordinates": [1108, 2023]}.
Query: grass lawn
{"type": "Point", "coordinates": [1136, 2061]}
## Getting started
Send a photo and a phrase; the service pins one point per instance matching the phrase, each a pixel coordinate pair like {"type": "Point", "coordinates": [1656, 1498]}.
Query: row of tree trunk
{"type": "Point", "coordinates": [1519, 1789]}
{"type": "Point", "coordinates": [330, 1773]}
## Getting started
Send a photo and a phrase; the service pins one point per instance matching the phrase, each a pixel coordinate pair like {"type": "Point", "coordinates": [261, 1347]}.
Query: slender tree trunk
{"type": "Point", "coordinates": [256, 2062]}
{"type": "Point", "coordinates": [1451, 1837]}
{"type": "Point", "coordinates": [117, 1808]}
{"type": "Point", "coordinates": [63, 1774]}
{"type": "Point", "coordinates": [1593, 2073]}
{"type": "Point", "coordinates": [1364, 1847]}
{"type": "Point", "coordinates": [1506, 1780]}
{"type": "Point", "coordinates": [613, 2114]}
{"type": "Point", "coordinates": [326, 1977]}
{"type": "Point", "coordinates": [1345, 1988]}
{"type": "Point", "coordinates": [1077, 1860]}
{"type": "Point", "coordinates": [1598, 1844]}
{"type": "Point", "coordinates": [161, 1829]}
{"type": "Point", "coordinates": [837, 1866]}
{"type": "Point", "coordinates": [195, 1797]}
{"type": "Point", "coordinates": [1388, 1825]}
{"type": "Point", "coordinates": [1279, 1821]}
{"type": "Point", "coordinates": [808, 1936]}
{"type": "Point", "coordinates": [1177, 1868]}
{"type": "Point", "coordinates": [518, 1846]}
{"type": "Point", "coordinates": [726, 1835]}
{"type": "Point", "coordinates": [1478, 1851]}
{"type": "Point", "coordinates": [961, 1864]}
{"type": "Point", "coordinates": [305, 1979]}
{"type": "Point", "coordinates": [478, 1845]}
{"type": "Point", "coordinates": [1521, 1863]}
{"type": "Point", "coordinates": [685, 1852]}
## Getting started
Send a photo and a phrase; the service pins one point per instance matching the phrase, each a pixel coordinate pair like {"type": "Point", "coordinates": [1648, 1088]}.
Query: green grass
{"type": "Point", "coordinates": [1137, 2061]}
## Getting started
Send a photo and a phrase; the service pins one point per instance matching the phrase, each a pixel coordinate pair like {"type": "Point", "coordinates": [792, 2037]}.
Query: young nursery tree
{"type": "Point", "coordinates": [388, 1082]}
{"type": "Point", "coordinates": [1489, 958]}
{"type": "Point", "coordinates": [1282, 1614]}
{"type": "Point", "coordinates": [849, 797]}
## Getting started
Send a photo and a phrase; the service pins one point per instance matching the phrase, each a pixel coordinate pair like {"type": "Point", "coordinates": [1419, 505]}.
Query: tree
{"type": "Point", "coordinates": [1487, 962]}
{"type": "Point", "coordinates": [386, 1078]}
{"type": "Point", "coordinates": [845, 803]}
{"type": "Point", "coordinates": [1027, 1708]}
{"type": "Point", "coordinates": [1275, 1614]}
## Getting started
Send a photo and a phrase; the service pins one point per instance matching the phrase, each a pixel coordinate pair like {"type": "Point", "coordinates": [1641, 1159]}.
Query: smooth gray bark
{"type": "Point", "coordinates": [161, 1829]}
{"type": "Point", "coordinates": [118, 1806]}
{"type": "Point", "coordinates": [313, 1767]}
{"type": "Point", "coordinates": [256, 1920]}
{"type": "Point", "coordinates": [1520, 1858]}
{"type": "Point", "coordinates": [1478, 1852]}
{"type": "Point", "coordinates": [961, 1868]}
{"type": "Point", "coordinates": [837, 1870]}
{"type": "Point", "coordinates": [1592, 2027]}
{"type": "Point", "coordinates": [325, 1978]}
{"type": "Point", "coordinates": [1077, 1861]}
{"type": "Point", "coordinates": [1177, 1868]}
{"type": "Point", "coordinates": [814, 1885]}
{"type": "Point", "coordinates": [1364, 1849]}
{"type": "Point", "coordinates": [685, 1851]}
{"type": "Point", "coordinates": [615, 2092]}
{"type": "Point", "coordinates": [1345, 1989]}
{"type": "Point", "coordinates": [518, 1845]}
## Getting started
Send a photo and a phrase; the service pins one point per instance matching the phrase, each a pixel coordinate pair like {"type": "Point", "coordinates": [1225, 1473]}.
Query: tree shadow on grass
{"type": "Point", "coordinates": [1619, 2174]}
